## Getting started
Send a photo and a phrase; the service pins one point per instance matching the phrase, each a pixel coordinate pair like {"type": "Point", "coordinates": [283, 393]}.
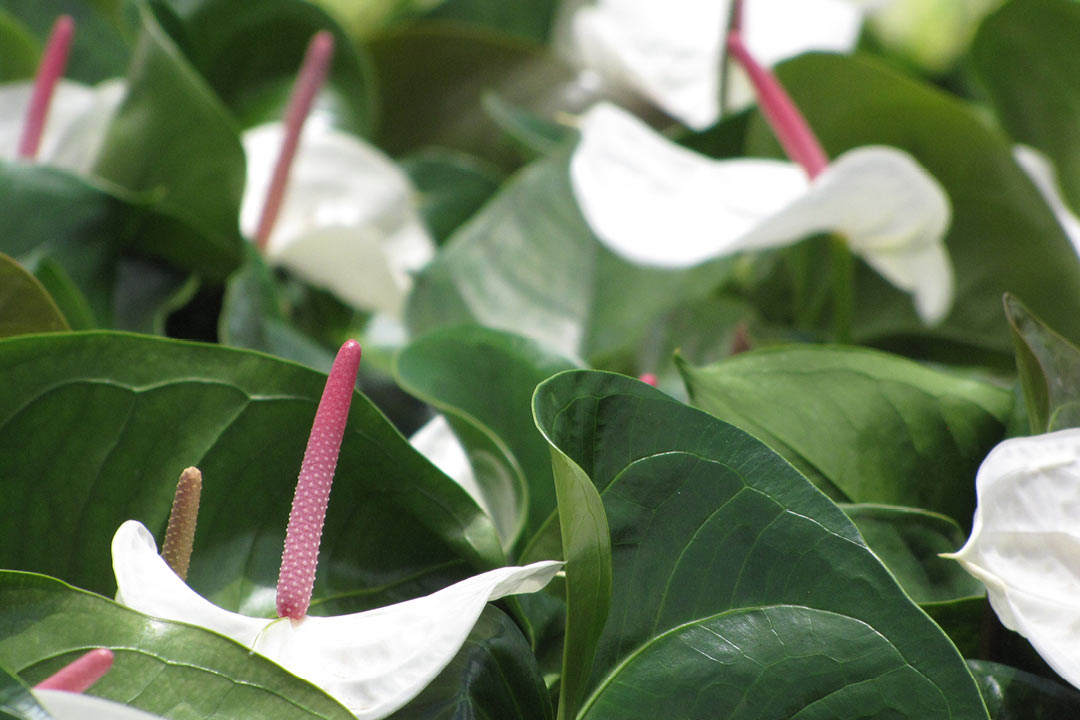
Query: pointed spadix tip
{"type": "Point", "coordinates": [79, 675]}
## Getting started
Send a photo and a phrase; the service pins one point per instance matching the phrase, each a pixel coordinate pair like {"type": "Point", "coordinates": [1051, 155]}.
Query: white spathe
{"type": "Point", "coordinates": [75, 125]}
{"type": "Point", "coordinates": [348, 222]}
{"type": "Point", "coordinates": [74, 706]}
{"type": "Point", "coordinates": [656, 203]}
{"type": "Point", "coordinates": [1025, 542]}
{"type": "Point", "coordinates": [1041, 171]}
{"type": "Point", "coordinates": [672, 52]}
{"type": "Point", "coordinates": [372, 662]}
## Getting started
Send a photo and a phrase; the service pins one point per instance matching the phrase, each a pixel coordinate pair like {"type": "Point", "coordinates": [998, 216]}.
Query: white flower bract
{"type": "Point", "coordinates": [1025, 542]}
{"type": "Point", "coordinates": [671, 52]}
{"type": "Point", "coordinates": [656, 203]}
{"type": "Point", "coordinates": [75, 125]}
{"type": "Point", "coordinates": [372, 662]}
{"type": "Point", "coordinates": [74, 706]}
{"type": "Point", "coordinates": [348, 222]}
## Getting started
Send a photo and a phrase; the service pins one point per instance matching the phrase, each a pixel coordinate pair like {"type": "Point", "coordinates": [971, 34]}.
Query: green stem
{"type": "Point", "coordinates": [843, 280]}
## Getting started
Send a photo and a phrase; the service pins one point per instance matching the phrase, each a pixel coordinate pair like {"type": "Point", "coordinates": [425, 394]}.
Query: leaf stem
{"type": "Point", "coordinates": [296, 579]}
{"type": "Point", "coordinates": [843, 270]}
{"type": "Point", "coordinates": [51, 68]}
{"type": "Point", "coordinates": [313, 71]}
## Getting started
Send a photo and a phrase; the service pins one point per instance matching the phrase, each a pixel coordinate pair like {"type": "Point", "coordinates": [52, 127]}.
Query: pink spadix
{"type": "Point", "coordinates": [51, 68]}
{"type": "Point", "coordinates": [297, 577]}
{"type": "Point", "coordinates": [791, 128]}
{"type": "Point", "coordinates": [320, 52]}
{"type": "Point", "coordinates": [79, 675]}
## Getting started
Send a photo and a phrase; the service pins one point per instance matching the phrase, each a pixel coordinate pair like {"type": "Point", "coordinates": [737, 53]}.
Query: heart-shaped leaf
{"type": "Point", "coordinates": [873, 427]}
{"type": "Point", "coordinates": [739, 589]}
{"type": "Point", "coordinates": [162, 667]}
{"type": "Point", "coordinates": [96, 427]}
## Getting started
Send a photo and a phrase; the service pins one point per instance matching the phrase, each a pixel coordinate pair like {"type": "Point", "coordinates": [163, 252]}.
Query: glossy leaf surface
{"type": "Point", "coordinates": [161, 667]}
{"type": "Point", "coordinates": [873, 427]}
{"type": "Point", "coordinates": [714, 535]}
{"type": "Point", "coordinates": [97, 427]}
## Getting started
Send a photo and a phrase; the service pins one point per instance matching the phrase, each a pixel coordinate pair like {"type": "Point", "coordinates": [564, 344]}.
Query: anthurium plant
{"type": "Point", "coordinates": [720, 359]}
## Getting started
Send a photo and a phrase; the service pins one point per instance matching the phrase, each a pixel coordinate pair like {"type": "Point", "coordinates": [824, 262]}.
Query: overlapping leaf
{"type": "Point", "coordinates": [162, 667]}
{"type": "Point", "coordinates": [1049, 368]}
{"type": "Point", "coordinates": [739, 590]}
{"type": "Point", "coordinates": [485, 379]}
{"type": "Point", "coordinates": [527, 263]}
{"type": "Point", "coordinates": [867, 427]}
{"type": "Point", "coordinates": [95, 428]}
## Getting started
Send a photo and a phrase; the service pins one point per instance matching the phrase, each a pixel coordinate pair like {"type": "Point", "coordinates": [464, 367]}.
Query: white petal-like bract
{"type": "Point", "coordinates": [1025, 542]}
{"type": "Point", "coordinates": [348, 222]}
{"type": "Point", "coordinates": [75, 125]}
{"type": "Point", "coordinates": [372, 662]}
{"type": "Point", "coordinates": [656, 203]}
{"type": "Point", "coordinates": [74, 706]}
{"type": "Point", "coordinates": [671, 53]}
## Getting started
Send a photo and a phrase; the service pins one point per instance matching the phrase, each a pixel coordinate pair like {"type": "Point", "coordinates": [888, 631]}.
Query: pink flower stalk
{"type": "Point", "coordinates": [649, 378]}
{"type": "Point", "coordinates": [51, 68]}
{"type": "Point", "coordinates": [79, 675]}
{"type": "Point", "coordinates": [316, 65]}
{"type": "Point", "coordinates": [297, 577]}
{"type": "Point", "coordinates": [791, 128]}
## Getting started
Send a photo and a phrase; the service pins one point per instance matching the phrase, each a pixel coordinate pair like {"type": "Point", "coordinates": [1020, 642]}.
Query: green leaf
{"type": "Point", "coordinates": [586, 548]}
{"type": "Point", "coordinates": [778, 661]}
{"type": "Point", "coordinates": [251, 58]}
{"type": "Point", "coordinates": [98, 426]}
{"type": "Point", "coordinates": [25, 305]}
{"type": "Point", "coordinates": [50, 215]}
{"type": "Point", "coordinates": [529, 19]}
{"type": "Point", "coordinates": [1049, 369]}
{"type": "Point", "coordinates": [99, 48]}
{"type": "Point", "coordinates": [527, 263]}
{"type": "Point", "coordinates": [493, 676]}
{"type": "Point", "coordinates": [172, 138]}
{"type": "Point", "coordinates": [432, 79]}
{"type": "Point", "coordinates": [1013, 694]}
{"type": "Point", "coordinates": [451, 186]}
{"type": "Point", "coordinates": [19, 50]}
{"type": "Point", "coordinates": [1024, 55]}
{"type": "Point", "coordinates": [872, 427]}
{"type": "Point", "coordinates": [1003, 237]}
{"type": "Point", "coordinates": [485, 378]}
{"type": "Point", "coordinates": [714, 536]}
{"type": "Point", "coordinates": [159, 666]}
{"type": "Point", "coordinates": [16, 702]}
{"type": "Point", "coordinates": [72, 303]}
{"type": "Point", "coordinates": [909, 541]}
